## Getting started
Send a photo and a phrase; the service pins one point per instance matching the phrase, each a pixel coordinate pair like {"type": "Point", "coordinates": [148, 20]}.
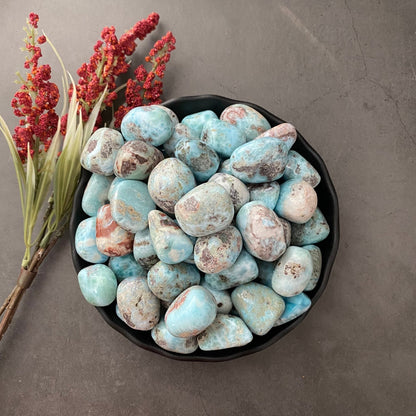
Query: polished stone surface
{"type": "Point", "coordinates": [343, 72]}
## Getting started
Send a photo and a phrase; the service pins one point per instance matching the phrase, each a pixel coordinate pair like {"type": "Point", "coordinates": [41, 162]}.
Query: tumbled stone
{"type": "Point", "coordinates": [85, 242]}
{"type": "Point", "coordinates": [136, 159]}
{"type": "Point", "coordinates": [227, 331]}
{"type": "Point", "coordinates": [196, 121]}
{"type": "Point", "coordinates": [100, 151]}
{"type": "Point", "coordinates": [298, 167]}
{"type": "Point", "coordinates": [113, 185]}
{"type": "Point", "coordinates": [96, 193]}
{"type": "Point", "coordinates": [126, 266]}
{"type": "Point", "coordinates": [171, 113]}
{"type": "Point", "coordinates": [171, 244]}
{"type": "Point", "coordinates": [284, 132]}
{"type": "Point", "coordinates": [139, 307]}
{"type": "Point", "coordinates": [98, 284]}
{"type": "Point", "coordinates": [312, 232]}
{"type": "Point", "coordinates": [167, 281]}
{"type": "Point", "coordinates": [143, 250]}
{"type": "Point", "coordinates": [267, 192]}
{"type": "Point", "coordinates": [244, 270]}
{"type": "Point", "coordinates": [316, 254]}
{"type": "Point", "coordinates": [247, 119]}
{"type": "Point", "coordinates": [258, 306]}
{"type": "Point", "coordinates": [238, 190]}
{"type": "Point", "coordinates": [266, 270]}
{"type": "Point", "coordinates": [199, 157]}
{"type": "Point", "coordinates": [222, 298]}
{"type": "Point", "coordinates": [297, 201]}
{"type": "Point", "coordinates": [225, 167]}
{"type": "Point", "coordinates": [162, 337]}
{"type": "Point", "coordinates": [294, 307]}
{"type": "Point", "coordinates": [181, 131]}
{"type": "Point", "coordinates": [292, 272]}
{"type": "Point", "coordinates": [169, 181]}
{"type": "Point", "coordinates": [131, 204]}
{"type": "Point", "coordinates": [262, 231]}
{"type": "Point", "coordinates": [204, 210]}
{"type": "Point", "coordinates": [259, 161]}
{"type": "Point", "coordinates": [223, 137]}
{"type": "Point", "coordinates": [111, 239]}
{"type": "Point", "coordinates": [191, 312]}
{"type": "Point", "coordinates": [150, 124]}
{"type": "Point", "coordinates": [287, 230]}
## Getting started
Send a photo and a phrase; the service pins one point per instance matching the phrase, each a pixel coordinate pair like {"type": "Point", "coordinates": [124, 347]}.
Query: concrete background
{"type": "Point", "coordinates": [344, 73]}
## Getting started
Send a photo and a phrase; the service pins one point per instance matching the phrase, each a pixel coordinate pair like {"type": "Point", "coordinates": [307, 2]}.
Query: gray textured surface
{"type": "Point", "coordinates": [344, 73]}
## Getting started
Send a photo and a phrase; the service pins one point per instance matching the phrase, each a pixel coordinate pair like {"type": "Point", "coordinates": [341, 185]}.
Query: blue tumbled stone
{"type": "Point", "coordinates": [298, 167]}
{"type": "Point", "coordinates": [85, 242]}
{"type": "Point", "coordinates": [294, 307]}
{"type": "Point", "coordinates": [313, 231]}
{"type": "Point", "coordinates": [96, 193]}
{"type": "Point", "coordinates": [126, 266]}
{"type": "Point", "coordinates": [196, 121]}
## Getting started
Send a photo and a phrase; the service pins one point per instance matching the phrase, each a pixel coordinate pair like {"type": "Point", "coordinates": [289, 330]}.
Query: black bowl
{"type": "Point", "coordinates": [328, 203]}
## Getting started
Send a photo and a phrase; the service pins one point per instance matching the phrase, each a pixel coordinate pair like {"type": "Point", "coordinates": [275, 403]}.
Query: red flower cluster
{"type": "Point", "coordinates": [109, 61]}
{"type": "Point", "coordinates": [36, 99]}
{"type": "Point", "coordinates": [147, 88]}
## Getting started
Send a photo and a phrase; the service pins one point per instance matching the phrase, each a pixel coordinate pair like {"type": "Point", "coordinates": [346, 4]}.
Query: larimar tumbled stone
{"type": "Point", "coordinates": [167, 281]}
{"type": "Point", "coordinates": [171, 113]}
{"type": "Point", "coordinates": [227, 331]}
{"type": "Point", "coordinates": [126, 266]}
{"type": "Point", "coordinates": [247, 119]}
{"type": "Point", "coordinates": [294, 307]}
{"type": "Point", "coordinates": [222, 297]}
{"type": "Point", "coordinates": [199, 157]}
{"type": "Point", "coordinates": [259, 161]}
{"type": "Point", "coordinates": [150, 124]}
{"type": "Point", "coordinates": [162, 337]}
{"type": "Point", "coordinates": [225, 167]}
{"type": "Point", "coordinates": [169, 181]}
{"type": "Point", "coordinates": [85, 242]}
{"type": "Point", "coordinates": [143, 250]}
{"type": "Point", "coordinates": [101, 150]}
{"type": "Point", "coordinates": [113, 185]}
{"type": "Point", "coordinates": [139, 307]}
{"type": "Point", "coordinates": [292, 272]}
{"type": "Point", "coordinates": [191, 312]}
{"type": "Point", "coordinates": [111, 239]}
{"type": "Point", "coordinates": [258, 306]}
{"type": "Point", "coordinates": [267, 192]}
{"type": "Point", "coordinates": [196, 121]}
{"type": "Point", "coordinates": [316, 254]}
{"type": "Point", "coordinates": [287, 230]}
{"type": "Point", "coordinates": [298, 167]}
{"type": "Point", "coordinates": [223, 137]}
{"type": "Point", "coordinates": [136, 159]}
{"type": "Point", "coordinates": [297, 201]}
{"type": "Point", "coordinates": [284, 132]}
{"type": "Point", "coordinates": [204, 210]}
{"type": "Point", "coordinates": [171, 244]}
{"type": "Point", "coordinates": [98, 284]}
{"type": "Point", "coordinates": [266, 270]}
{"type": "Point", "coordinates": [262, 231]}
{"type": "Point", "coordinates": [96, 193]}
{"type": "Point", "coordinates": [181, 131]}
{"type": "Point", "coordinates": [218, 251]}
{"type": "Point", "coordinates": [131, 204]}
{"type": "Point", "coordinates": [312, 232]}
{"type": "Point", "coordinates": [238, 191]}
{"type": "Point", "coordinates": [244, 270]}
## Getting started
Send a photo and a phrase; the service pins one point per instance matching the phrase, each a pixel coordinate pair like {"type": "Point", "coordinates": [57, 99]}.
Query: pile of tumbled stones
{"type": "Point", "coordinates": [203, 231]}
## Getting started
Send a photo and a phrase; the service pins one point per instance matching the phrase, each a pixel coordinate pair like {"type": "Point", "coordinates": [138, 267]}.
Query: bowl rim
{"type": "Point", "coordinates": [108, 312]}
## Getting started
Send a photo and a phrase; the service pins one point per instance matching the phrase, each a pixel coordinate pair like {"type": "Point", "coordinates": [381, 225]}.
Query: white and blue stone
{"type": "Point", "coordinates": [227, 331]}
{"type": "Point", "coordinates": [196, 121]}
{"type": "Point", "coordinates": [312, 232]}
{"type": "Point", "coordinates": [98, 284]}
{"type": "Point", "coordinates": [266, 270]}
{"type": "Point", "coordinates": [96, 193]}
{"type": "Point", "coordinates": [85, 242]}
{"type": "Point", "coordinates": [285, 132]}
{"type": "Point", "coordinates": [316, 254]}
{"type": "Point", "coordinates": [191, 312]}
{"type": "Point", "coordinates": [162, 337]}
{"type": "Point", "coordinates": [298, 167]}
{"type": "Point", "coordinates": [292, 272]}
{"type": "Point", "coordinates": [181, 131]}
{"type": "Point", "coordinates": [247, 119]}
{"type": "Point", "coordinates": [113, 185]}
{"type": "Point", "coordinates": [244, 270]}
{"type": "Point", "coordinates": [223, 137]}
{"type": "Point", "coordinates": [131, 204]}
{"type": "Point", "coordinates": [258, 306]}
{"type": "Point", "coordinates": [167, 281]}
{"type": "Point", "coordinates": [294, 307]}
{"type": "Point", "coordinates": [143, 250]}
{"type": "Point", "coordinates": [258, 161]}
{"type": "Point", "coordinates": [222, 297]}
{"type": "Point", "coordinates": [267, 192]}
{"type": "Point", "coordinates": [199, 157]}
{"type": "Point", "coordinates": [150, 124]}
{"type": "Point", "coordinates": [126, 266]}
{"type": "Point", "coordinates": [100, 151]}
{"type": "Point", "coordinates": [225, 167]}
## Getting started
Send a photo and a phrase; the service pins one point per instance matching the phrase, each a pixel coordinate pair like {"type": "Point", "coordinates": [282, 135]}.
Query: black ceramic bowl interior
{"type": "Point", "coordinates": [327, 201]}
